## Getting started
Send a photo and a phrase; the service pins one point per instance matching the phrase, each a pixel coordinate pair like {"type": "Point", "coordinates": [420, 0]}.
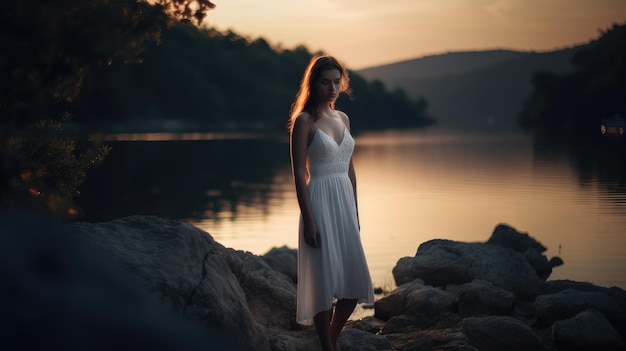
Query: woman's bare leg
{"type": "Point", "coordinates": [322, 325]}
{"type": "Point", "coordinates": [343, 310]}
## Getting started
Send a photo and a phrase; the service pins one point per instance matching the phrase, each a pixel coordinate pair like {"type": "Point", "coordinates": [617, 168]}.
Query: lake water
{"type": "Point", "coordinates": [413, 186]}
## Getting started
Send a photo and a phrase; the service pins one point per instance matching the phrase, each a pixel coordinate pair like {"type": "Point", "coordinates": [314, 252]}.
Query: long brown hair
{"type": "Point", "coordinates": [305, 101]}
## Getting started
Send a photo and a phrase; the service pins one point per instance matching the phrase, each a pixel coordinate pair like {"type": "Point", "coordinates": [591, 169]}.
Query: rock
{"type": "Point", "coordinates": [283, 260]}
{"type": "Point", "coordinates": [270, 295]}
{"type": "Point", "coordinates": [426, 340]}
{"type": "Point", "coordinates": [481, 298]}
{"type": "Point", "coordinates": [368, 324]}
{"type": "Point", "coordinates": [555, 286]}
{"type": "Point", "coordinates": [443, 262]}
{"type": "Point", "coordinates": [358, 340]}
{"type": "Point", "coordinates": [430, 301]}
{"type": "Point", "coordinates": [395, 303]}
{"type": "Point", "coordinates": [556, 261]}
{"type": "Point", "coordinates": [458, 342]}
{"type": "Point", "coordinates": [305, 340]}
{"type": "Point", "coordinates": [588, 330]}
{"type": "Point", "coordinates": [568, 303]}
{"type": "Point", "coordinates": [540, 263]}
{"type": "Point", "coordinates": [496, 333]}
{"type": "Point", "coordinates": [400, 324]}
{"type": "Point", "coordinates": [506, 236]}
{"type": "Point", "coordinates": [185, 267]}
{"type": "Point", "coordinates": [525, 311]}
{"type": "Point", "coordinates": [419, 344]}
{"type": "Point", "coordinates": [59, 292]}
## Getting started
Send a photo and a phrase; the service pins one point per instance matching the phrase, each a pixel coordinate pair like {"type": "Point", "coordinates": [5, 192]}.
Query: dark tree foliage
{"type": "Point", "coordinates": [50, 46]}
{"type": "Point", "coordinates": [576, 104]}
{"type": "Point", "coordinates": [187, 10]}
{"type": "Point", "coordinates": [206, 79]}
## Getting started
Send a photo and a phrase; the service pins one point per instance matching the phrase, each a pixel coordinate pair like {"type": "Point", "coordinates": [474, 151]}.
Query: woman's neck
{"type": "Point", "coordinates": [325, 109]}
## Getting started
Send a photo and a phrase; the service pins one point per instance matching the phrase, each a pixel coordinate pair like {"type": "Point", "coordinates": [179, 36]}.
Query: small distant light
{"type": "Point", "coordinates": [602, 129]}
{"type": "Point", "coordinates": [621, 130]}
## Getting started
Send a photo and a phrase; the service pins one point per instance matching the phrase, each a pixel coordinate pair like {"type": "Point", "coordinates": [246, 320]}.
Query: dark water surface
{"type": "Point", "coordinates": [413, 186]}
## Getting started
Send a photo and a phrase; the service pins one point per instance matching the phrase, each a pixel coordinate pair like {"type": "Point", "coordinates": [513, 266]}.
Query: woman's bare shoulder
{"type": "Point", "coordinates": [303, 120]}
{"type": "Point", "coordinates": [303, 116]}
{"type": "Point", "coordinates": [344, 118]}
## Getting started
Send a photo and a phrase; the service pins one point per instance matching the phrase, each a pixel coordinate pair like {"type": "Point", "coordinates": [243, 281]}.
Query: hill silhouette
{"type": "Point", "coordinates": [478, 90]}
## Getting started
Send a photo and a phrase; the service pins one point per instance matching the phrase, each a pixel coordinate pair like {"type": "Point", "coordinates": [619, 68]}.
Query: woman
{"type": "Point", "coordinates": [331, 261]}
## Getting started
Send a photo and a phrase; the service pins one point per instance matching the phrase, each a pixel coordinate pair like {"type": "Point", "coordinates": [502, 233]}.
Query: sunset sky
{"type": "Point", "coordinates": [367, 33]}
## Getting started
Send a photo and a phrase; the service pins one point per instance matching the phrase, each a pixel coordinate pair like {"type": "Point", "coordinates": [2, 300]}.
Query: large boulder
{"type": "Point", "coordinates": [588, 330]}
{"type": "Point", "coordinates": [270, 295]}
{"type": "Point", "coordinates": [60, 292]}
{"type": "Point", "coordinates": [506, 236]}
{"type": "Point", "coordinates": [556, 286]}
{"type": "Point", "coordinates": [481, 298]}
{"type": "Point", "coordinates": [496, 333]}
{"type": "Point", "coordinates": [443, 262]}
{"type": "Point", "coordinates": [358, 340]}
{"type": "Point", "coordinates": [284, 260]}
{"type": "Point", "coordinates": [395, 303]}
{"type": "Point", "coordinates": [430, 301]}
{"type": "Point", "coordinates": [185, 267]}
{"type": "Point", "coordinates": [568, 303]}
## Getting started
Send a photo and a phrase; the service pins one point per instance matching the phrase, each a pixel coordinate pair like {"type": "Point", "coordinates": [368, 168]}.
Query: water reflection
{"type": "Point", "coordinates": [598, 164]}
{"type": "Point", "coordinates": [183, 179]}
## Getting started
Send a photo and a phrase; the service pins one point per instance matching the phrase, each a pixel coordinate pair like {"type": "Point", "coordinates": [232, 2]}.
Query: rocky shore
{"type": "Point", "coordinates": [146, 282]}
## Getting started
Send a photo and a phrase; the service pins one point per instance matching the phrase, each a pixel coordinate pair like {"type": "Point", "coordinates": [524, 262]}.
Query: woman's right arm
{"type": "Point", "coordinates": [299, 141]}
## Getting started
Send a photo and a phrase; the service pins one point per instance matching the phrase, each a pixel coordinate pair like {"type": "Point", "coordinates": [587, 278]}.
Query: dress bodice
{"type": "Point", "coordinates": [326, 156]}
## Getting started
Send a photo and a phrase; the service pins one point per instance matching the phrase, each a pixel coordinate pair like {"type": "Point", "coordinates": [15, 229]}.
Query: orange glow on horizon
{"type": "Point", "coordinates": [365, 34]}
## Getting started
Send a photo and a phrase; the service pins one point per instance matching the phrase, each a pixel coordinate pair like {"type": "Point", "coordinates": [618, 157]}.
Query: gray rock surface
{"type": "Point", "coordinates": [358, 340]}
{"type": "Point", "coordinates": [555, 286]}
{"type": "Point", "coordinates": [443, 262]}
{"type": "Point", "coordinates": [284, 260]}
{"type": "Point", "coordinates": [60, 292]}
{"type": "Point", "coordinates": [568, 303]}
{"type": "Point", "coordinates": [481, 298]}
{"type": "Point", "coordinates": [184, 266]}
{"type": "Point", "coordinates": [497, 333]}
{"type": "Point", "coordinates": [588, 330]}
{"type": "Point", "coordinates": [270, 296]}
{"type": "Point", "coordinates": [395, 303]}
{"type": "Point", "coordinates": [430, 301]}
{"type": "Point", "coordinates": [506, 236]}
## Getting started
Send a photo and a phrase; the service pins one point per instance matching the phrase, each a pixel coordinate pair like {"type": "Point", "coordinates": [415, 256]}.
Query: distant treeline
{"type": "Point", "coordinates": [206, 79]}
{"type": "Point", "coordinates": [576, 104]}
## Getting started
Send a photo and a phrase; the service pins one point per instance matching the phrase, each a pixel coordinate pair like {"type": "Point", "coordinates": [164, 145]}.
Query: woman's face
{"type": "Point", "coordinates": [327, 86]}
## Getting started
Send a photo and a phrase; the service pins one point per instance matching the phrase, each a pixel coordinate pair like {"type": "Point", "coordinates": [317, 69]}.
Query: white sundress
{"type": "Point", "coordinates": [338, 269]}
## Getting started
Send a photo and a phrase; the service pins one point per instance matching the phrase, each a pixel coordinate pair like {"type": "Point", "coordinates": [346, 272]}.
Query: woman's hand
{"type": "Point", "coordinates": [311, 234]}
